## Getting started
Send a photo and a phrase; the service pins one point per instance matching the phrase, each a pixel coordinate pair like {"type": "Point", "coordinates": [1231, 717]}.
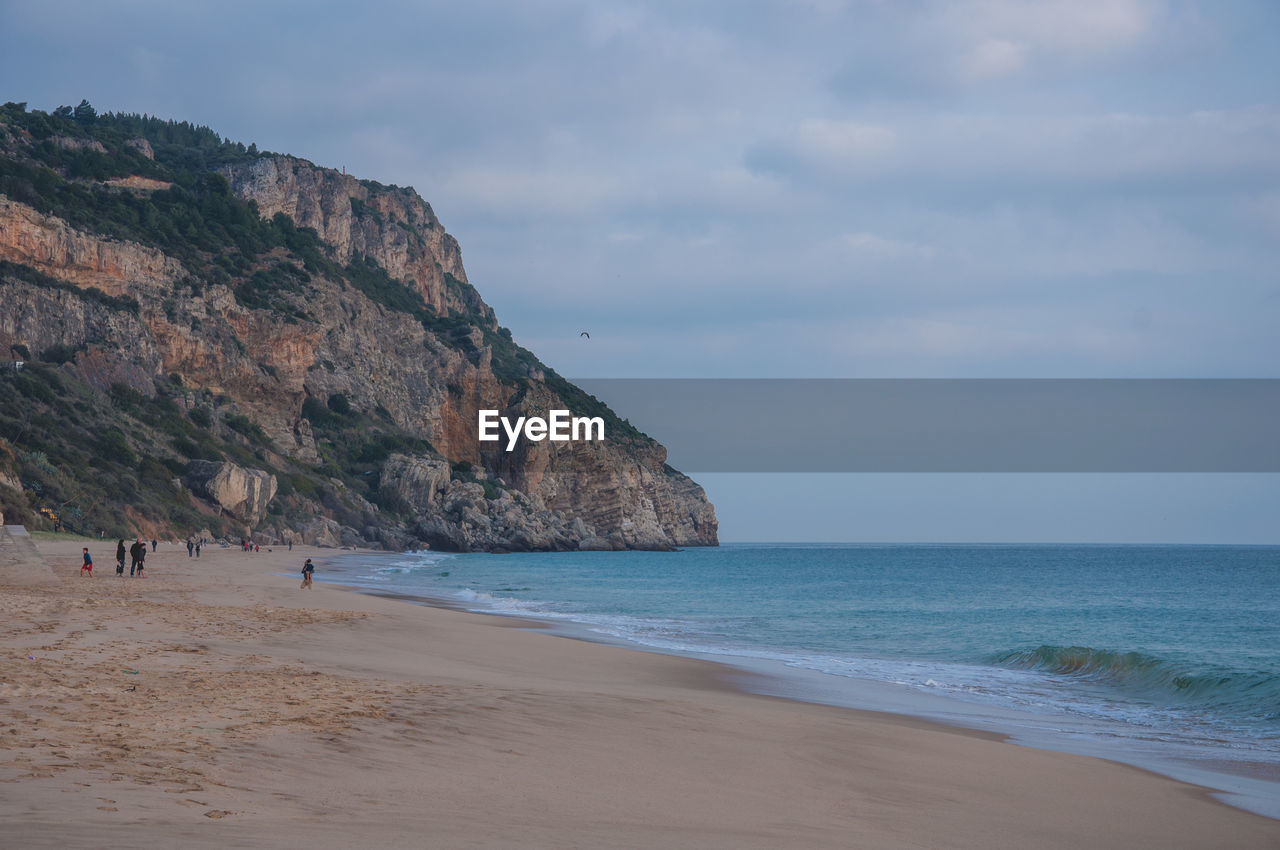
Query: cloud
{"type": "Point", "coordinates": [514, 192]}
{"type": "Point", "coordinates": [982, 336]}
{"type": "Point", "coordinates": [869, 246]}
{"type": "Point", "coordinates": [945, 47]}
{"type": "Point", "coordinates": [847, 141]}
{"type": "Point", "coordinates": [993, 57]}
{"type": "Point", "coordinates": [605, 23]}
{"type": "Point", "coordinates": [1065, 26]}
{"type": "Point", "coordinates": [625, 236]}
{"type": "Point", "coordinates": [1262, 211]}
{"type": "Point", "coordinates": [971, 148]}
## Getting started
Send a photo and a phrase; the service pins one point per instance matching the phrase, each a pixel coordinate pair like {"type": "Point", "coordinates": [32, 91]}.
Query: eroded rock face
{"type": "Point", "coordinates": [632, 511]}
{"type": "Point", "coordinates": [628, 498]}
{"type": "Point", "coordinates": [419, 482]}
{"type": "Point", "coordinates": [116, 346]}
{"type": "Point", "coordinates": [243, 493]}
{"type": "Point", "coordinates": [56, 248]}
{"type": "Point", "coordinates": [393, 226]}
{"type": "Point", "coordinates": [460, 516]}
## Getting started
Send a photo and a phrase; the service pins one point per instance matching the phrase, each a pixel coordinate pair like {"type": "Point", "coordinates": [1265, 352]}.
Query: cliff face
{"type": "Point", "coordinates": [51, 245]}
{"type": "Point", "coordinates": [354, 358]}
{"type": "Point", "coordinates": [393, 226]}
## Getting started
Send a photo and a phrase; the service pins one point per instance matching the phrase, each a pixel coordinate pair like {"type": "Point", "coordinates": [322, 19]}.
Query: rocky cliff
{"type": "Point", "coordinates": [392, 226]}
{"type": "Point", "coordinates": [256, 313]}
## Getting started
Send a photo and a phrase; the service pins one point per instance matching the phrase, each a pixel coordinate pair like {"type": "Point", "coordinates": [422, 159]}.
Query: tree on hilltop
{"type": "Point", "coordinates": [85, 113]}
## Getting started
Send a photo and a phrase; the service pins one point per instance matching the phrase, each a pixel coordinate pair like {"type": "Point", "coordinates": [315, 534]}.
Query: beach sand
{"type": "Point", "coordinates": [214, 703]}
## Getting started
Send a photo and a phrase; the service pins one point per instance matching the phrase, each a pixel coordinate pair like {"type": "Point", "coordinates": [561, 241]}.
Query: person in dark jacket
{"type": "Point", "coordinates": [137, 552]}
{"type": "Point", "coordinates": [120, 558]}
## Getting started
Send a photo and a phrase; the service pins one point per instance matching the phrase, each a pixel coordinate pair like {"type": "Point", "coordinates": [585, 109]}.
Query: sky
{"type": "Point", "coordinates": [799, 188]}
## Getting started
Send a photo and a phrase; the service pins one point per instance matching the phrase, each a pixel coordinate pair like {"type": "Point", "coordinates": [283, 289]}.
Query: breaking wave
{"type": "Point", "coordinates": [1252, 693]}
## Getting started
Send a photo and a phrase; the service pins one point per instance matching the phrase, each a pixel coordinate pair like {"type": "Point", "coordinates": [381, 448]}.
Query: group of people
{"type": "Point", "coordinates": [137, 555]}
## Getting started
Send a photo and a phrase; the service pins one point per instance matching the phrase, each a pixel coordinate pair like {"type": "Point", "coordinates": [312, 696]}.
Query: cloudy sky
{"type": "Point", "coordinates": [813, 188]}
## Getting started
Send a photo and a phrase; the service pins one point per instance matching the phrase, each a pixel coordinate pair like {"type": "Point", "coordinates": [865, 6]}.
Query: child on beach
{"type": "Point", "coordinates": [87, 566]}
{"type": "Point", "coordinates": [307, 569]}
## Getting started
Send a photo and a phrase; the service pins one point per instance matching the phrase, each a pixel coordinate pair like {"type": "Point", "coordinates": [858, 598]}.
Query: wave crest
{"type": "Point", "coordinates": [1254, 693]}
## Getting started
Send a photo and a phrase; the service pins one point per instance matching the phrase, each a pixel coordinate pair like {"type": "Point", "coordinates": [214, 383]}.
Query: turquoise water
{"type": "Point", "coordinates": [1175, 646]}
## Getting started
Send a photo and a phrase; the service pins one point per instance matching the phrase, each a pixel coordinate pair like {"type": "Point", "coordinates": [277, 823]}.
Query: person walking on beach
{"type": "Point", "coordinates": [120, 558]}
{"type": "Point", "coordinates": [197, 550]}
{"type": "Point", "coordinates": [307, 570]}
{"type": "Point", "coordinates": [135, 556]}
{"type": "Point", "coordinates": [87, 566]}
{"type": "Point", "coordinates": [154, 544]}
{"type": "Point", "coordinates": [190, 547]}
{"type": "Point", "coordinates": [142, 558]}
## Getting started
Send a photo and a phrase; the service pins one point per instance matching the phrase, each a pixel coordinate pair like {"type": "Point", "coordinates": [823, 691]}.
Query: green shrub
{"type": "Point", "coordinates": [185, 447]}
{"type": "Point", "coordinates": [112, 446]}
{"type": "Point", "coordinates": [60, 353]}
{"type": "Point", "coordinates": [242, 424]}
{"type": "Point", "coordinates": [302, 485]}
{"type": "Point", "coordinates": [32, 387]}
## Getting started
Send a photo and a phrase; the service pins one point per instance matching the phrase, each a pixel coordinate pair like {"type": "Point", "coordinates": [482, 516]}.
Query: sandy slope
{"type": "Point", "coordinates": [260, 715]}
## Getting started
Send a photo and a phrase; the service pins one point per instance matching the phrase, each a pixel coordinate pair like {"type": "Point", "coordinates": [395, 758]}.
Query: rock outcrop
{"type": "Point", "coordinates": [243, 493]}
{"type": "Point", "coordinates": [392, 226]}
{"type": "Point", "coordinates": [54, 247]}
{"type": "Point", "coordinates": [464, 516]}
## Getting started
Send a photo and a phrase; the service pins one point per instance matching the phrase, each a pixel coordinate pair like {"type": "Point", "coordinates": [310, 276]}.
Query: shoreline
{"type": "Point", "coordinates": [214, 703]}
{"type": "Point", "coordinates": [1249, 786]}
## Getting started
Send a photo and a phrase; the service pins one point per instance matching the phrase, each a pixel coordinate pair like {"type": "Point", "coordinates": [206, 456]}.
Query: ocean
{"type": "Point", "coordinates": [1167, 657]}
